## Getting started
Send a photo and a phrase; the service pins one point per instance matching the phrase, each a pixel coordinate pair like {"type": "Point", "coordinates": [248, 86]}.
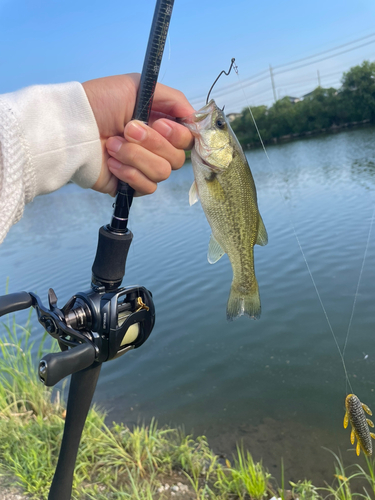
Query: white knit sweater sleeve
{"type": "Point", "coordinates": [48, 136]}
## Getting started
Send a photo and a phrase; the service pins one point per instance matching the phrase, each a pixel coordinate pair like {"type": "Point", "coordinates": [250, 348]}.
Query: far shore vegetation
{"type": "Point", "coordinates": [143, 463]}
{"type": "Point", "coordinates": [324, 110]}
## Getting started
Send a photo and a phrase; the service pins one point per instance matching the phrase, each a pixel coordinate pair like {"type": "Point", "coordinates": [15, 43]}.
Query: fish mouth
{"type": "Point", "coordinates": [214, 169]}
{"type": "Point", "coordinates": [194, 121]}
{"type": "Point", "coordinates": [210, 166]}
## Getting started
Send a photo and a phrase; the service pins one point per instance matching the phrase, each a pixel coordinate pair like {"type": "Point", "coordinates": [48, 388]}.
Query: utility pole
{"type": "Point", "coordinates": [319, 78]}
{"type": "Point", "coordinates": [273, 84]}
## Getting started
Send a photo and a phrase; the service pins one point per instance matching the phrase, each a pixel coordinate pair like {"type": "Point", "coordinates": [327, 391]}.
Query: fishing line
{"type": "Point", "coordinates": [303, 253]}
{"type": "Point", "coordinates": [359, 281]}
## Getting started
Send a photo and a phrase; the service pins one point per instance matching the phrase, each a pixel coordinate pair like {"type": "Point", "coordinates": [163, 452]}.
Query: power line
{"type": "Point", "coordinates": [309, 78]}
{"type": "Point", "coordinates": [244, 99]}
{"type": "Point", "coordinates": [252, 80]}
{"type": "Point", "coordinates": [304, 84]}
{"type": "Point", "coordinates": [324, 51]}
{"type": "Point", "coordinates": [324, 58]}
{"type": "Point", "coordinates": [231, 85]}
{"type": "Point", "coordinates": [304, 81]}
{"type": "Point", "coordinates": [302, 87]}
{"type": "Point", "coordinates": [221, 92]}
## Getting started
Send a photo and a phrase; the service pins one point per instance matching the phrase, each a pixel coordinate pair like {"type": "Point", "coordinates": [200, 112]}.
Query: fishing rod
{"type": "Point", "coordinates": [107, 320]}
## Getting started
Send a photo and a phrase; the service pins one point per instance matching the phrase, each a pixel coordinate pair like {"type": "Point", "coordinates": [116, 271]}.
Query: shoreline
{"type": "Point", "coordinates": [284, 139]}
{"type": "Point", "coordinates": [335, 129]}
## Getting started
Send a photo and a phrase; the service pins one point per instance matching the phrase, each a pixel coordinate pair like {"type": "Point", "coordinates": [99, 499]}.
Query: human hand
{"type": "Point", "coordinates": [133, 152]}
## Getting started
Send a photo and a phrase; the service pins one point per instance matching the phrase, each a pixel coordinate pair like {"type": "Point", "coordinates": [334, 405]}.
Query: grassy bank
{"type": "Point", "coordinates": [120, 463]}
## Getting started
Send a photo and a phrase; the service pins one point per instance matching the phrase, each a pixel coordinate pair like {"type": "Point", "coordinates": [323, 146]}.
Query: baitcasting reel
{"type": "Point", "coordinates": [93, 326]}
{"type": "Point", "coordinates": [102, 323]}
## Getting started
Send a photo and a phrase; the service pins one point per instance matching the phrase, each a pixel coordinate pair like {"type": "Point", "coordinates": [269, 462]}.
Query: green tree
{"type": "Point", "coordinates": [281, 117]}
{"type": "Point", "coordinates": [318, 110]}
{"type": "Point", "coordinates": [244, 127]}
{"type": "Point", "coordinates": [321, 109]}
{"type": "Point", "coordinates": [358, 92]}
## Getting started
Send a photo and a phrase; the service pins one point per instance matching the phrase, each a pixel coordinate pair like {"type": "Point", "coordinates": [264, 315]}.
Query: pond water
{"type": "Point", "coordinates": [278, 383]}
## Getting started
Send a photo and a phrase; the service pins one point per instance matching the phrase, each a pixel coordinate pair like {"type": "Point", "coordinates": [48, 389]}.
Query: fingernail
{"type": "Point", "coordinates": [114, 144]}
{"type": "Point", "coordinates": [136, 131]}
{"type": "Point", "coordinates": [163, 128]}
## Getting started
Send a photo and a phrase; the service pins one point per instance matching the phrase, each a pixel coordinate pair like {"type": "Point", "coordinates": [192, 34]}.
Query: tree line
{"type": "Point", "coordinates": [322, 109]}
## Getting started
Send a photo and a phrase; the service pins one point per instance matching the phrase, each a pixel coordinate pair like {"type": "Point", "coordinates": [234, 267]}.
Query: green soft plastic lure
{"type": "Point", "coordinates": [355, 413]}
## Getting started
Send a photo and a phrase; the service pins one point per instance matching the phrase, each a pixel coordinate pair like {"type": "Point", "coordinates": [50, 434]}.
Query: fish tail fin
{"type": "Point", "coordinates": [240, 303]}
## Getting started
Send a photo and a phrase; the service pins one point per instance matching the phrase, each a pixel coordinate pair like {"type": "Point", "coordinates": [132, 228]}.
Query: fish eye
{"type": "Point", "coordinates": [220, 123]}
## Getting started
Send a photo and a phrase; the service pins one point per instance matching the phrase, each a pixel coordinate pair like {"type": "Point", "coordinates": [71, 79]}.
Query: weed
{"type": "Point", "coordinates": [246, 477]}
{"type": "Point", "coordinates": [282, 489]}
{"type": "Point", "coordinates": [118, 463]}
{"type": "Point", "coordinates": [341, 489]}
{"type": "Point", "coordinates": [304, 490]}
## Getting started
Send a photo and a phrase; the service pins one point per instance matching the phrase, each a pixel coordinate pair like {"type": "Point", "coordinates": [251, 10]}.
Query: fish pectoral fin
{"type": "Point", "coordinates": [262, 238]}
{"type": "Point", "coordinates": [215, 188]}
{"type": "Point", "coordinates": [193, 194]}
{"type": "Point", "coordinates": [346, 420]}
{"type": "Point", "coordinates": [215, 252]}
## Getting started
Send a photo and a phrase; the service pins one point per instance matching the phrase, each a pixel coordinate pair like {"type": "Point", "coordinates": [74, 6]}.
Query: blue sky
{"type": "Point", "coordinates": [57, 41]}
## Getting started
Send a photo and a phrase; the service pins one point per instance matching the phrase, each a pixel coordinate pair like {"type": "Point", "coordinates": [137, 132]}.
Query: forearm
{"type": "Point", "coordinates": [48, 136]}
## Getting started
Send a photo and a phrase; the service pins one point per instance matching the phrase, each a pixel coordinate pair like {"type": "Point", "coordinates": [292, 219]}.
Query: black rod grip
{"type": "Point", "coordinates": [54, 366]}
{"type": "Point", "coordinates": [81, 391]}
{"type": "Point", "coordinates": [108, 268]}
{"type": "Point", "coordinates": [15, 302]}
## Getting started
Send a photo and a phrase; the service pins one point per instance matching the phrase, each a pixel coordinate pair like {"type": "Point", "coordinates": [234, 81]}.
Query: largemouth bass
{"type": "Point", "coordinates": [225, 186]}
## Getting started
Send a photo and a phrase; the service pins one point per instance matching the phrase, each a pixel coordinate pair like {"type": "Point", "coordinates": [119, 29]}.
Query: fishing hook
{"type": "Point", "coordinates": [227, 73]}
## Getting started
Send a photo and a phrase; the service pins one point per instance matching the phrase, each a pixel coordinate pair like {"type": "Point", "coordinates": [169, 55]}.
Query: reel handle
{"type": "Point", "coordinates": [53, 367]}
{"type": "Point", "coordinates": [15, 302]}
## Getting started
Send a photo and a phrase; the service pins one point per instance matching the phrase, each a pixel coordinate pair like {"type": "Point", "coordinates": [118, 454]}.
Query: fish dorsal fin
{"type": "Point", "coordinates": [193, 194]}
{"type": "Point", "coordinates": [215, 252]}
{"type": "Point", "coordinates": [262, 238]}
